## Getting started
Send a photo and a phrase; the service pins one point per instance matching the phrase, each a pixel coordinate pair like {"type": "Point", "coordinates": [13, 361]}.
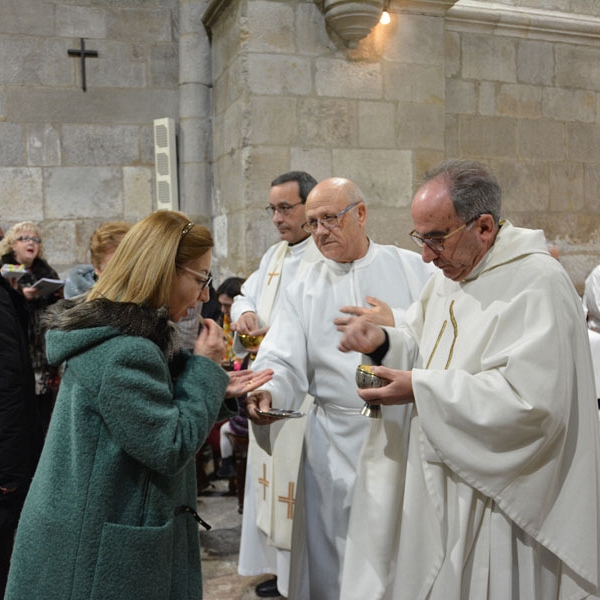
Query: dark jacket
{"type": "Point", "coordinates": [47, 377]}
{"type": "Point", "coordinates": [20, 428]}
{"type": "Point", "coordinates": [104, 517]}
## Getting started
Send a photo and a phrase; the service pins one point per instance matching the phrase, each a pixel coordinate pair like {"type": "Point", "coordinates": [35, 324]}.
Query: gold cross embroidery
{"type": "Point", "coordinates": [271, 275]}
{"type": "Point", "coordinates": [264, 481]}
{"type": "Point", "coordinates": [289, 500]}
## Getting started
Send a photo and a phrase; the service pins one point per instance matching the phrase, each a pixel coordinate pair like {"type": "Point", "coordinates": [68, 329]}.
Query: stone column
{"type": "Point", "coordinates": [195, 123]}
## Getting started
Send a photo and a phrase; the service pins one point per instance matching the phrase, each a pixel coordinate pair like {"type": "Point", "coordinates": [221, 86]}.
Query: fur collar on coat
{"type": "Point", "coordinates": [126, 317]}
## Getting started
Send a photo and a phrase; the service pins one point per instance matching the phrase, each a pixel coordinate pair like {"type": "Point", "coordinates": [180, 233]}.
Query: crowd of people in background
{"type": "Point", "coordinates": [478, 477]}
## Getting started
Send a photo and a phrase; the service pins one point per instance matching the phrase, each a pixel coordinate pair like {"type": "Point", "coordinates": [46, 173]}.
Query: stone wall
{"type": "Point", "coordinates": [70, 159]}
{"type": "Point", "coordinates": [514, 86]}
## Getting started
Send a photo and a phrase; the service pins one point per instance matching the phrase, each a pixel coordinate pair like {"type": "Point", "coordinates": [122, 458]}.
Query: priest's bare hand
{"type": "Point", "coordinates": [361, 336]}
{"type": "Point", "coordinates": [259, 400]}
{"type": "Point", "coordinates": [379, 314]}
{"type": "Point", "coordinates": [247, 323]}
{"type": "Point", "coordinates": [398, 391]}
{"type": "Point", "coordinates": [244, 382]}
{"type": "Point", "coordinates": [210, 341]}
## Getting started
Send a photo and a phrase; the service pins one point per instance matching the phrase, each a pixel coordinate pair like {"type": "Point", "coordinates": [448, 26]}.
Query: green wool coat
{"type": "Point", "coordinates": [103, 517]}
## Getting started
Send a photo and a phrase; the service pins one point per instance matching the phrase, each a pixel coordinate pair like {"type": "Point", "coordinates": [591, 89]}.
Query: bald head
{"type": "Point", "coordinates": [336, 215]}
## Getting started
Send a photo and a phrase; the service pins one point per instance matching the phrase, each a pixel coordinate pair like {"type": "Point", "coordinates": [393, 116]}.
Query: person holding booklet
{"type": "Point", "coordinates": [22, 245]}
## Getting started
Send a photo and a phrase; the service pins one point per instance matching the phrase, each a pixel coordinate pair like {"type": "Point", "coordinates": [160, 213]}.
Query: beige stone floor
{"type": "Point", "coordinates": [220, 547]}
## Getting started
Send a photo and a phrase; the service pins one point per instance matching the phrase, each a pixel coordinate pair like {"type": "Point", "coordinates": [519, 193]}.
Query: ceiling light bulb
{"type": "Point", "coordinates": [385, 18]}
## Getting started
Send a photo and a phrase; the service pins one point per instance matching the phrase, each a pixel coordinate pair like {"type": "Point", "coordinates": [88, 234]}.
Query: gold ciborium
{"type": "Point", "coordinates": [252, 342]}
{"type": "Point", "coordinates": [365, 378]}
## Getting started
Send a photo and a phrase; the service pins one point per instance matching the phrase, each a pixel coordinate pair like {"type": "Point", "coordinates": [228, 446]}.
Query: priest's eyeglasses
{"type": "Point", "coordinates": [437, 243]}
{"type": "Point", "coordinates": [283, 209]}
{"type": "Point", "coordinates": [328, 222]}
{"type": "Point", "coordinates": [202, 279]}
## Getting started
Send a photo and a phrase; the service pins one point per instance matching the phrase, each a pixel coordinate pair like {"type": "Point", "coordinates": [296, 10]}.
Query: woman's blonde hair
{"type": "Point", "coordinates": [145, 264]}
{"type": "Point", "coordinates": [6, 245]}
{"type": "Point", "coordinates": [105, 239]}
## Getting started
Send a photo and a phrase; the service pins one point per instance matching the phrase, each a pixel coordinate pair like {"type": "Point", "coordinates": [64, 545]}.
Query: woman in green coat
{"type": "Point", "coordinates": [111, 509]}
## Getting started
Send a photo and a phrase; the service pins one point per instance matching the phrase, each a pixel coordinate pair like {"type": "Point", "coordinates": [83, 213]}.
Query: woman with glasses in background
{"type": "Point", "coordinates": [23, 245]}
{"type": "Point", "coordinates": [111, 512]}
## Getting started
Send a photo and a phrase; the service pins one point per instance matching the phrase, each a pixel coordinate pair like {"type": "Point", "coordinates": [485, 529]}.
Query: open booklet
{"type": "Point", "coordinates": [48, 286]}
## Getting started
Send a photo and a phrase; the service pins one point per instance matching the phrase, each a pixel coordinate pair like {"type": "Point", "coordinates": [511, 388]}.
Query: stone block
{"type": "Point", "coordinates": [43, 145]}
{"type": "Point", "coordinates": [278, 74]}
{"type": "Point", "coordinates": [164, 66]}
{"type": "Point", "coordinates": [273, 121]}
{"type": "Point", "coordinates": [577, 67]}
{"type": "Point", "coordinates": [566, 185]}
{"type": "Point", "coordinates": [420, 126]}
{"type": "Point", "coordinates": [35, 61]}
{"type": "Point", "coordinates": [328, 122]}
{"type": "Point", "coordinates": [21, 194]}
{"type": "Point", "coordinates": [515, 100]}
{"type": "Point", "coordinates": [541, 139]}
{"type": "Point", "coordinates": [100, 145]}
{"type": "Point", "coordinates": [195, 140]}
{"type": "Point", "coordinates": [270, 27]}
{"type": "Point", "coordinates": [190, 17]}
{"type": "Point", "coordinates": [83, 192]}
{"type": "Point", "coordinates": [152, 25]}
{"type": "Point", "coordinates": [417, 39]}
{"type": "Point", "coordinates": [114, 67]}
{"type": "Point", "coordinates": [461, 96]}
{"type": "Point", "coordinates": [229, 184]}
{"type": "Point", "coordinates": [487, 98]}
{"type": "Point", "coordinates": [60, 243]}
{"type": "Point", "coordinates": [339, 78]}
{"type": "Point", "coordinates": [569, 105]}
{"type": "Point", "coordinates": [260, 165]}
{"type": "Point", "coordinates": [414, 83]}
{"type": "Point", "coordinates": [585, 7]}
{"type": "Point", "coordinates": [310, 31]}
{"type": "Point", "coordinates": [230, 86]}
{"type": "Point", "coordinates": [113, 107]}
{"type": "Point", "coordinates": [525, 186]}
{"type": "Point", "coordinates": [80, 21]}
{"type": "Point", "coordinates": [12, 148]}
{"type": "Point", "coordinates": [137, 192]}
{"type": "Point", "coordinates": [147, 145]}
{"type": "Point", "coordinates": [452, 53]}
{"type": "Point", "coordinates": [229, 131]}
{"type": "Point", "coordinates": [376, 122]}
{"type": "Point", "coordinates": [384, 176]}
{"type": "Point", "coordinates": [34, 17]}
{"type": "Point", "coordinates": [489, 58]}
{"type": "Point", "coordinates": [195, 63]}
{"type": "Point", "coordinates": [452, 135]}
{"type": "Point", "coordinates": [195, 100]}
{"type": "Point", "coordinates": [316, 161]}
{"type": "Point", "coordinates": [195, 198]}
{"type": "Point", "coordinates": [591, 188]}
{"type": "Point", "coordinates": [493, 137]}
{"type": "Point", "coordinates": [583, 142]}
{"type": "Point", "coordinates": [226, 38]}
{"type": "Point", "coordinates": [535, 62]}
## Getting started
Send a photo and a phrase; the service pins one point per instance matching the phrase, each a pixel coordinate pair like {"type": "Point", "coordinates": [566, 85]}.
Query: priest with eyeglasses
{"type": "Point", "coordinates": [354, 276]}
{"type": "Point", "coordinates": [495, 493]}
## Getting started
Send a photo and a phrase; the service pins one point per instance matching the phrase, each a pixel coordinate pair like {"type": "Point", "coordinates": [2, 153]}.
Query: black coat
{"type": "Point", "coordinates": [20, 429]}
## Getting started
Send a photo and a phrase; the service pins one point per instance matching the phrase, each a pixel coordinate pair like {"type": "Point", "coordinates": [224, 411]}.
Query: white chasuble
{"type": "Point", "coordinates": [502, 482]}
{"type": "Point", "coordinates": [301, 347]}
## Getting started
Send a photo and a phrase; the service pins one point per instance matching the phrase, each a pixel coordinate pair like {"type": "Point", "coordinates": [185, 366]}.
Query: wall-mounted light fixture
{"type": "Point", "coordinates": [385, 15]}
{"type": "Point", "coordinates": [352, 20]}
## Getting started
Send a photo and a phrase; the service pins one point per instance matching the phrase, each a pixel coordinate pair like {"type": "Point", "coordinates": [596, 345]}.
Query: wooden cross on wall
{"type": "Point", "coordinates": [83, 54]}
